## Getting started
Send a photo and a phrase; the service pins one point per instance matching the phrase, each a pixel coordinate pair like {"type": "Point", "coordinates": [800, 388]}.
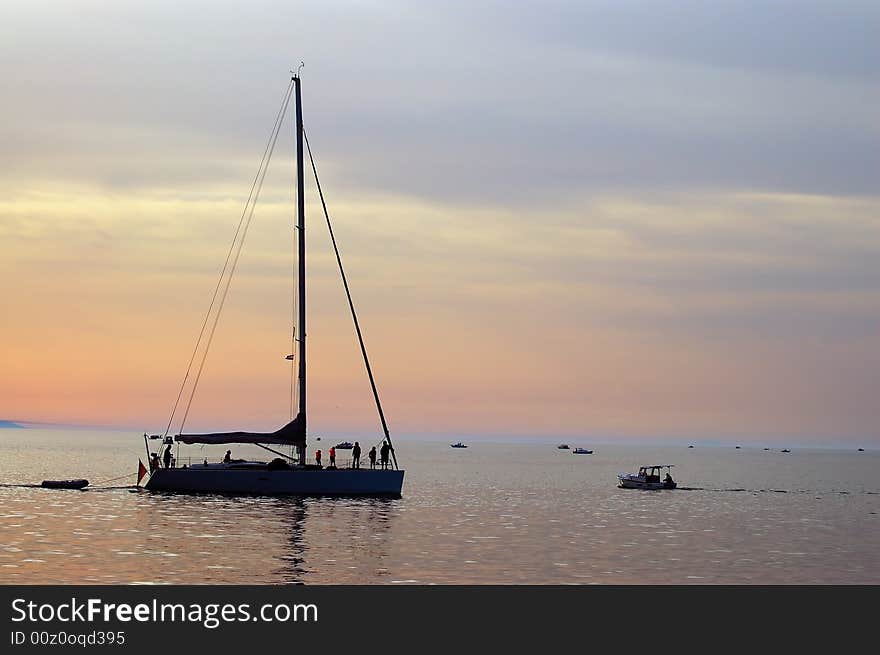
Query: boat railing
{"type": "Point", "coordinates": [187, 462]}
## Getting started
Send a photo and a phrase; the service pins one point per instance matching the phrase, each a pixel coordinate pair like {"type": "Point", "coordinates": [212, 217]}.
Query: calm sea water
{"type": "Point", "coordinates": [493, 513]}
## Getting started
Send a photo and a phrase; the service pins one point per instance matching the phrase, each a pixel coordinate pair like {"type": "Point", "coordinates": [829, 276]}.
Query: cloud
{"type": "Point", "coordinates": [482, 104]}
{"type": "Point", "coordinates": [790, 36]}
{"type": "Point", "coordinates": [652, 217]}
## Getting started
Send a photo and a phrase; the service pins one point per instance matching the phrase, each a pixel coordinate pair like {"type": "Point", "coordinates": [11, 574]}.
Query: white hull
{"type": "Point", "coordinates": [626, 482]}
{"type": "Point", "coordinates": [304, 482]}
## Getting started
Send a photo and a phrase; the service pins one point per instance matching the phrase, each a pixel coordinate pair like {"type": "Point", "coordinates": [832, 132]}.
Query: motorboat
{"type": "Point", "coordinates": [458, 445]}
{"type": "Point", "coordinates": [581, 451]}
{"type": "Point", "coordinates": [562, 446]}
{"type": "Point", "coordinates": [648, 477]}
{"type": "Point", "coordinates": [344, 445]}
{"type": "Point", "coordinates": [785, 450]}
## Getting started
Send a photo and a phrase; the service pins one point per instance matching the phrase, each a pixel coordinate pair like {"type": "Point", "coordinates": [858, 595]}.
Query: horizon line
{"type": "Point", "coordinates": [815, 441]}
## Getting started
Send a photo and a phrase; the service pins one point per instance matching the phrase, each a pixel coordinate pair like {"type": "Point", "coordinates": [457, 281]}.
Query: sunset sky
{"type": "Point", "coordinates": [615, 219]}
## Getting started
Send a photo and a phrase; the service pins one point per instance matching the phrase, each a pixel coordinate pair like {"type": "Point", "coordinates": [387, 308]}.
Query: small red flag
{"type": "Point", "coordinates": [142, 471]}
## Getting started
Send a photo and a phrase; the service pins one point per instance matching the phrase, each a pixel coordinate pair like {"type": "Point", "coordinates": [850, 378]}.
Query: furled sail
{"type": "Point", "coordinates": [291, 434]}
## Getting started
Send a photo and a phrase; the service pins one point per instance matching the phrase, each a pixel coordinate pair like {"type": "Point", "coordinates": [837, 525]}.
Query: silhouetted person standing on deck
{"type": "Point", "coordinates": [386, 448]}
{"type": "Point", "coordinates": [318, 457]}
{"type": "Point", "coordinates": [333, 456]}
{"type": "Point", "coordinates": [356, 456]}
{"type": "Point", "coordinates": [166, 456]}
{"type": "Point", "coordinates": [372, 456]}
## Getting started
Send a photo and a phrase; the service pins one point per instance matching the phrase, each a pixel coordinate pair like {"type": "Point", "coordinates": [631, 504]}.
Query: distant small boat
{"type": "Point", "coordinates": [766, 449]}
{"type": "Point", "coordinates": [861, 450]}
{"type": "Point", "coordinates": [738, 447]}
{"type": "Point", "coordinates": [344, 445]}
{"type": "Point", "coordinates": [785, 450]}
{"type": "Point", "coordinates": [690, 446]}
{"type": "Point", "coordinates": [563, 446]}
{"type": "Point", "coordinates": [581, 451]}
{"type": "Point", "coordinates": [64, 484]}
{"type": "Point", "coordinates": [458, 445]}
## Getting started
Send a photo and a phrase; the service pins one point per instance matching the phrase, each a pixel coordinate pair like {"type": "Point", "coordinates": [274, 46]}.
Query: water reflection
{"type": "Point", "coordinates": [292, 556]}
{"type": "Point", "coordinates": [501, 514]}
{"type": "Point", "coordinates": [378, 516]}
{"type": "Point", "coordinates": [344, 540]}
{"type": "Point", "coordinates": [288, 540]}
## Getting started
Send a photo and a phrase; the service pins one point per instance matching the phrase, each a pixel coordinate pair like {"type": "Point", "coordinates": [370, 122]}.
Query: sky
{"type": "Point", "coordinates": [613, 219]}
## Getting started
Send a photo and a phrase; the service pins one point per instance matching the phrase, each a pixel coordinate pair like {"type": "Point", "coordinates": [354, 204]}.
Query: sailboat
{"type": "Point", "coordinates": [286, 473]}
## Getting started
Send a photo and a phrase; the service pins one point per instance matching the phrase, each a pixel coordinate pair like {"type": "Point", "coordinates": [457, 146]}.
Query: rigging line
{"type": "Point", "coordinates": [222, 273]}
{"type": "Point", "coordinates": [127, 475]}
{"type": "Point", "coordinates": [225, 265]}
{"type": "Point", "coordinates": [262, 176]}
{"type": "Point", "coordinates": [234, 265]}
{"type": "Point", "coordinates": [277, 452]}
{"type": "Point", "coordinates": [357, 326]}
{"type": "Point", "coordinates": [220, 307]}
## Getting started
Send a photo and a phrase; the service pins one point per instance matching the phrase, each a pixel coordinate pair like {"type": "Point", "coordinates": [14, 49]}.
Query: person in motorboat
{"type": "Point", "coordinates": [648, 477]}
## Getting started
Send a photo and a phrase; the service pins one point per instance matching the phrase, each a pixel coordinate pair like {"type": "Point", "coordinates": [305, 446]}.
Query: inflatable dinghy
{"type": "Point", "coordinates": [65, 484]}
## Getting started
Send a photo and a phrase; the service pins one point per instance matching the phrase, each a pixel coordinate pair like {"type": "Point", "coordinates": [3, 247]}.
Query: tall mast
{"type": "Point", "coordinates": [301, 258]}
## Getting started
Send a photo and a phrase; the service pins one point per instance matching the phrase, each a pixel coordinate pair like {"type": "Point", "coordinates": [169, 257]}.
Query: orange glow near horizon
{"type": "Point", "coordinates": [469, 326]}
